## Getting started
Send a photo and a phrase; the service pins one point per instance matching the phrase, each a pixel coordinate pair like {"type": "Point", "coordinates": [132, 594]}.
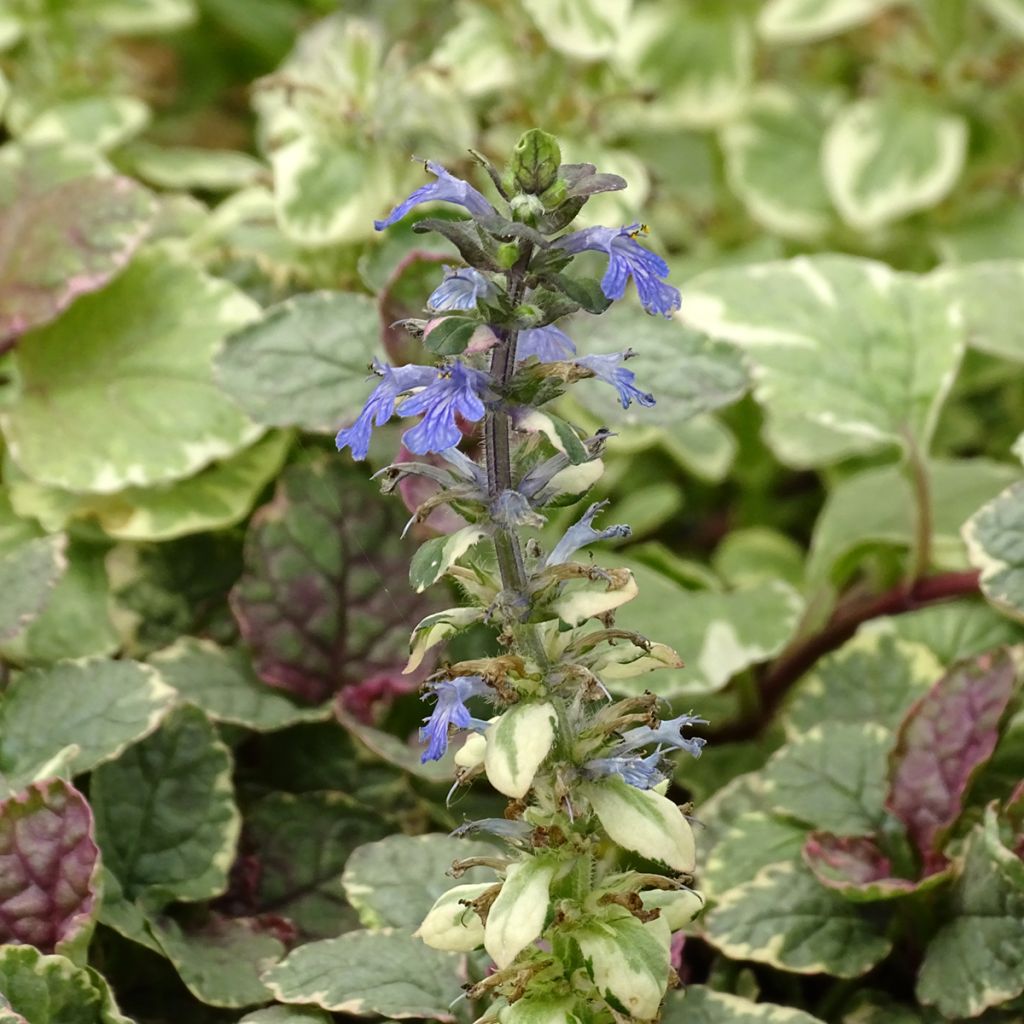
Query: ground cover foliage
{"type": "Point", "coordinates": [213, 806]}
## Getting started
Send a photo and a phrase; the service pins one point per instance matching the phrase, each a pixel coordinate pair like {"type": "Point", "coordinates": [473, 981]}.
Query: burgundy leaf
{"type": "Point", "coordinates": [414, 490]}
{"type": "Point", "coordinates": [48, 866]}
{"type": "Point", "coordinates": [64, 231]}
{"type": "Point", "coordinates": [323, 600]}
{"type": "Point", "coordinates": [854, 866]}
{"type": "Point", "coordinates": [417, 274]}
{"type": "Point", "coordinates": [944, 739]}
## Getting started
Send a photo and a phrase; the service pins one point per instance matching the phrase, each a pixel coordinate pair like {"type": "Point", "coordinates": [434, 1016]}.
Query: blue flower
{"type": "Point", "coordinates": [607, 368]}
{"type": "Point", "coordinates": [668, 734]}
{"type": "Point", "coordinates": [640, 772]}
{"type": "Point", "coordinates": [582, 533]}
{"type": "Point", "coordinates": [548, 344]}
{"type": "Point", "coordinates": [380, 406]}
{"type": "Point", "coordinates": [450, 710]}
{"type": "Point", "coordinates": [462, 288]}
{"type": "Point", "coordinates": [447, 189]}
{"type": "Point", "coordinates": [627, 258]}
{"type": "Point", "coordinates": [456, 391]}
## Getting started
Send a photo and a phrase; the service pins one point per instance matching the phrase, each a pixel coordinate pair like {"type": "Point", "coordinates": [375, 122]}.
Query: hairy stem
{"type": "Point", "coordinates": [921, 553]}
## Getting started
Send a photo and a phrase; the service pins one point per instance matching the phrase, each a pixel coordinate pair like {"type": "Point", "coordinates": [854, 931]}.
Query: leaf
{"type": "Point", "coordinates": [29, 572]}
{"type": "Point", "coordinates": [785, 918]}
{"type": "Point", "coordinates": [885, 157]}
{"type": "Point", "coordinates": [322, 601]}
{"type": "Point", "coordinates": [846, 354]}
{"type": "Point", "coordinates": [451, 336]}
{"type": "Point", "coordinates": [516, 746]}
{"type": "Point", "coordinates": [285, 1015]}
{"type": "Point", "coordinates": [855, 867]}
{"type": "Point", "coordinates": [876, 507]}
{"type": "Point", "coordinates": [973, 962]}
{"type": "Point", "coordinates": [52, 990]}
{"type": "Point", "coordinates": [435, 557]}
{"type": "Point", "coordinates": [875, 677]}
{"type": "Point", "coordinates": [301, 843]}
{"type": "Point", "coordinates": [49, 867]}
{"type": "Point", "coordinates": [394, 882]}
{"type": "Point", "coordinates": [584, 29]}
{"type": "Point", "coordinates": [687, 373]}
{"type": "Point", "coordinates": [406, 756]}
{"type": "Point", "coordinates": [802, 21]}
{"type": "Point", "coordinates": [989, 293]}
{"type": "Point", "coordinates": [100, 122]}
{"type": "Point", "coordinates": [222, 682]}
{"type": "Point", "coordinates": [1008, 13]}
{"type": "Point", "coordinates": [130, 367]}
{"type": "Point", "coordinates": [306, 363]}
{"type": "Point", "coordinates": [100, 706]}
{"type": "Point", "coordinates": [771, 153]}
{"type": "Point", "coordinates": [166, 818]}
{"type": "Point", "coordinates": [194, 168]}
{"type": "Point", "coordinates": [994, 536]}
{"type": "Point", "coordinates": [946, 737]}
{"type": "Point", "coordinates": [366, 973]}
{"type": "Point", "coordinates": [516, 918]}
{"type": "Point", "coordinates": [753, 841]}
{"type": "Point", "coordinates": [221, 961]}
{"type": "Point", "coordinates": [139, 17]}
{"type": "Point", "coordinates": [701, 1005]}
{"type": "Point", "coordinates": [832, 777]}
{"type": "Point", "coordinates": [66, 231]}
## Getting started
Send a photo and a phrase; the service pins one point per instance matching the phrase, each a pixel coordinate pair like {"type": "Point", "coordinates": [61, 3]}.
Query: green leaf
{"type": "Point", "coordinates": [98, 705]}
{"type": "Point", "coordinates": [832, 777]}
{"type": "Point", "coordinates": [435, 557]}
{"type": "Point", "coordinates": [67, 230]}
{"type": "Point", "coordinates": [130, 367]}
{"type": "Point", "coordinates": [394, 882]}
{"type": "Point", "coordinates": [100, 122]}
{"type": "Point", "coordinates": [758, 554]}
{"type": "Point", "coordinates": [847, 354]}
{"type": "Point", "coordinates": [365, 973]}
{"type": "Point", "coordinates": [306, 363]}
{"type": "Point", "coordinates": [451, 335]}
{"type": "Point", "coordinates": [802, 21]}
{"type": "Point", "coordinates": [222, 682]}
{"type": "Point", "coordinates": [29, 572]}
{"type": "Point", "coordinates": [285, 1015]}
{"type": "Point", "coordinates": [52, 990]}
{"type": "Point", "coordinates": [785, 918]}
{"type": "Point", "coordinates": [221, 961]}
{"type": "Point", "coordinates": [995, 542]}
{"type": "Point", "coordinates": [1009, 14]}
{"type": "Point", "coordinates": [885, 157]}
{"type": "Point", "coordinates": [701, 1005]}
{"type": "Point", "coordinates": [190, 168]}
{"type": "Point", "coordinates": [974, 961]}
{"type": "Point", "coordinates": [753, 841]}
{"type": "Point", "coordinates": [585, 29]}
{"type": "Point", "coordinates": [303, 842]}
{"type": "Point", "coordinates": [989, 294]}
{"type": "Point", "coordinates": [875, 677]}
{"type": "Point", "coordinates": [771, 153]}
{"type": "Point", "coordinates": [166, 818]}
{"type": "Point", "coordinates": [876, 507]}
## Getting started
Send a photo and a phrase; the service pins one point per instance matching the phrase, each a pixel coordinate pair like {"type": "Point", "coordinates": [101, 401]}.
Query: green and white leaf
{"type": "Point", "coordinates": [102, 122]}
{"type": "Point", "coordinates": [435, 629]}
{"type": "Point", "coordinates": [29, 573]}
{"type": "Point", "coordinates": [278, 1014]}
{"type": "Point", "coordinates": [832, 778]}
{"type": "Point", "coordinates": [517, 744]}
{"type": "Point", "coordinates": [754, 841]}
{"type": "Point", "coordinates": [96, 704]}
{"type": "Point", "coordinates": [130, 367]}
{"type": "Point", "coordinates": [699, 1004]}
{"type": "Point", "coordinates": [772, 159]}
{"type": "Point", "coordinates": [389, 973]}
{"type": "Point", "coordinates": [450, 924]}
{"type": "Point", "coordinates": [803, 21]}
{"type": "Point", "coordinates": [990, 295]}
{"type": "Point", "coordinates": [886, 157]}
{"type": "Point", "coordinates": [995, 542]}
{"type": "Point", "coordinates": [436, 556]}
{"type": "Point", "coordinates": [517, 916]}
{"type": "Point", "coordinates": [584, 29]}
{"type": "Point", "coordinates": [846, 353]}
{"type": "Point", "coordinates": [222, 682]}
{"type": "Point", "coordinates": [166, 820]}
{"type": "Point", "coordinates": [193, 168]}
{"type": "Point", "coordinates": [787, 919]}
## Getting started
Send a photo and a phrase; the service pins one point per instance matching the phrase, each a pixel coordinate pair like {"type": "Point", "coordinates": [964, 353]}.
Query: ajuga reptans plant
{"type": "Point", "coordinates": [575, 932]}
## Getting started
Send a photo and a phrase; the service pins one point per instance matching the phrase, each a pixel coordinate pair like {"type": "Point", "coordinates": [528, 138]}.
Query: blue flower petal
{"type": "Point", "coordinates": [456, 392]}
{"type": "Point", "coordinates": [607, 368]}
{"type": "Point", "coordinates": [548, 344]}
{"type": "Point", "coordinates": [450, 710]}
{"type": "Point", "coordinates": [462, 288]}
{"type": "Point", "coordinates": [448, 189]}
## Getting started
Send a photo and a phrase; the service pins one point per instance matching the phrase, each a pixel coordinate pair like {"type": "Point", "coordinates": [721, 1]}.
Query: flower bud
{"type": "Point", "coordinates": [678, 906]}
{"type": "Point", "coordinates": [535, 161]}
{"type": "Point", "coordinates": [450, 924]}
{"type": "Point", "coordinates": [508, 254]}
{"type": "Point", "coordinates": [517, 916]}
{"type": "Point", "coordinates": [526, 209]}
{"type": "Point", "coordinates": [471, 753]}
{"type": "Point", "coordinates": [516, 745]}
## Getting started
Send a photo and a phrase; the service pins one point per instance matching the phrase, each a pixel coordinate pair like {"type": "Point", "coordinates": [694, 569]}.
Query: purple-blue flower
{"type": "Point", "coordinates": [640, 772]}
{"type": "Point", "coordinates": [380, 406]}
{"type": "Point", "coordinates": [627, 258]}
{"type": "Point", "coordinates": [447, 189]}
{"type": "Point", "coordinates": [450, 710]}
{"type": "Point", "coordinates": [456, 391]}
{"type": "Point", "coordinates": [462, 288]}
{"type": "Point", "coordinates": [548, 344]}
{"type": "Point", "coordinates": [668, 734]}
{"type": "Point", "coordinates": [607, 368]}
{"type": "Point", "coordinates": [582, 533]}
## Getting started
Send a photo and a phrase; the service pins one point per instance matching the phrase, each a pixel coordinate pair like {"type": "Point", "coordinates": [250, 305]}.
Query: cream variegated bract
{"type": "Point", "coordinates": [517, 743]}
{"type": "Point", "coordinates": [452, 925]}
{"type": "Point", "coordinates": [517, 916]}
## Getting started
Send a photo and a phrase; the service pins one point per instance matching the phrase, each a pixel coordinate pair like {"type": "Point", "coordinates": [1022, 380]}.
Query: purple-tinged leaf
{"type": "Point", "coordinates": [857, 868]}
{"type": "Point", "coordinates": [61, 235]}
{"type": "Point", "coordinates": [1015, 816]}
{"type": "Point", "coordinates": [947, 735]}
{"type": "Point", "coordinates": [323, 600]}
{"type": "Point", "coordinates": [49, 864]}
{"type": "Point", "coordinates": [402, 296]}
